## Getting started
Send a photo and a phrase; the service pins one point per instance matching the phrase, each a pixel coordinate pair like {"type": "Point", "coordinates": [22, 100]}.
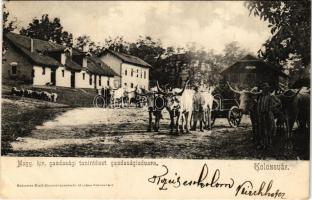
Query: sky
{"type": "Point", "coordinates": [209, 24]}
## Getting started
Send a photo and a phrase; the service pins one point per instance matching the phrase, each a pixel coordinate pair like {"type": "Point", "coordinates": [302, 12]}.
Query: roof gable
{"type": "Point", "coordinates": [251, 60]}
{"type": "Point", "coordinates": [128, 58]}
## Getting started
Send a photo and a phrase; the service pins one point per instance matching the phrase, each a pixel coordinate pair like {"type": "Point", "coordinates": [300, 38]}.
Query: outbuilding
{"type": "Point", "coordinates": [250, 71]}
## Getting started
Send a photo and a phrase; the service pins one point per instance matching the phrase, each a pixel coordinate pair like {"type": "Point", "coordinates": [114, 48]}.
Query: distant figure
{"type": "Point", "coordinates": [108, 96]}
{"type": "Point", "coordinates": [103, 92]}
{"type": "Point", "coordinates": [198, 110]}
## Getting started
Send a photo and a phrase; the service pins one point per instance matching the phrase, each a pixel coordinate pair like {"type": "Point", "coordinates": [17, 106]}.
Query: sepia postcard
{"type": "Point", "coordinates": [155, 99]}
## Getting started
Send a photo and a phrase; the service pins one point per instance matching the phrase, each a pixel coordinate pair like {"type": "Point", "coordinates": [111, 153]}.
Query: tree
{"type": "Point", "coordinates": [147, 49]}
{"type": "Point", "coordinates": [290, 24]}
{"type": "Point", "coordinates": [7, 25]}
{"type": "Point", "coordinates": [85, 40]}
{"type": "Point", "coordinates": [117, 44]}
{"type": "Point", "coordinates": [48, 30]}
{"type": "Point", "coordinates": [232, 53]}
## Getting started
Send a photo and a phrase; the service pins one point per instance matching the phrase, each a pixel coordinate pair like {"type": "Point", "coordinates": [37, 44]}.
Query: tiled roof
{"type": "Point", "coordinates": [41, 48]}
{"type": "Point", "coordinates": [39, 45]}
{"type": "Point", "coordinates": [129, 58]}
{"type": "Point", "coordinates": [95, 65]}
{"type": "Point", "coordinates": [69, 63]}
{"type": "Point", "coordinates": [251, 60]}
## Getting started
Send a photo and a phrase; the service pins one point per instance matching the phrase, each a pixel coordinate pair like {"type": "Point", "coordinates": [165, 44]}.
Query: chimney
{"type": "Point", "coordinates": [31, 45]}
{"type": "Point", "coordinates": [85, 48]}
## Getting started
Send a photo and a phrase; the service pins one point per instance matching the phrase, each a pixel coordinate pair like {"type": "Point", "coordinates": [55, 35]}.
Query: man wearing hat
{"type": "Point", "coordinates": [198, 109]}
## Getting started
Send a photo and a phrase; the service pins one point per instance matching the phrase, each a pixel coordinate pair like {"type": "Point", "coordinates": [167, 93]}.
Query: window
{"type": "Point", "coordinates": [14, 70]}
{"type": "Point", "coordinates": [100, 81]}
{"type": "Point", "coordinates": [90, 80]}
{"type": "Point", "coordinates": [144, 74]}
{"type": "Point", "coordinates": [107, 82]}
{"type": "Point", "coordinates": [63, 73]}
{"type": "Point", "coordinates": [43, 70]}
{"type": "Point", "coordinates": [131, 85]}
{"type": "Point", "coordinates": [125, 72]}
{"type": "Point", "coordinates": [131, 72]}
{"type": "Point", "coordinates": [137, 73]}
{"type": "Point", "coordinates": [141, 74]}
{"type": "Point", "coordinates": [83, 76]}
{"type": "Point", "coordinates": [126, 84]}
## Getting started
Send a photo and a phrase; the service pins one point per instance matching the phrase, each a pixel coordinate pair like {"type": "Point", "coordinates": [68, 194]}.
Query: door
{"type": "Point", "coordinates": [53, 76]}
{"type": "Point", "coordinates": [72, 79]}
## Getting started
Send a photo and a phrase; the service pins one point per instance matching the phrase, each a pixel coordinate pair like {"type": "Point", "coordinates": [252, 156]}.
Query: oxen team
{"type": "Point", "coordinates": [43, 95]}
{"type": "Point", "coordinates": [183, 105]}
{"type": "Point", "coordinates": [269, 110]}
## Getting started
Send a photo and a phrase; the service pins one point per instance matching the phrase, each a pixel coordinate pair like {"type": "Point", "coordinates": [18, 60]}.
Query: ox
{"type": "Point", "coordinates": [155, 104]}
{"type": "Point", "coordinates": [248, 105]}
{"type": "Point", "coordinates": [181, 105]}
{"type": "Point", "coordinates": [304, 109]}
{"type": "Point", "coordinates": [171, 103]}
{"type": "Point", "coordinates": [290, 107]}
{"type": "Point", "coordinates": [208, 101]}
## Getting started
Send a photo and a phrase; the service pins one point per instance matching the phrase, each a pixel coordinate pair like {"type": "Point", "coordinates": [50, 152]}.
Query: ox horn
{"type": "Point", "coordinates": [232, 89]}
{"type": "Point", "coordinates": [253, 91]}
{"type": "Point", "coordinates": [291, 96]}
{"type": "Point", "coordinates": [180, 93]}
{"type": "Point", "coordinates": [159, 89]}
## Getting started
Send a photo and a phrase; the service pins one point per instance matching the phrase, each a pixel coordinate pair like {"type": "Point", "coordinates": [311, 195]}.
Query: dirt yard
{"type": "Point", "coordinates": [95, 132]}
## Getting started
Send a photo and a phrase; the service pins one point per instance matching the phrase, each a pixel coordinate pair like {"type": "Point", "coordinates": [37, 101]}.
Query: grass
{"type": "Point", "coordinates": [73, 97]}
{"type": "Point", "coordinates": [18, 121]}
{"type": "Point", "coordinates": [21, 115]}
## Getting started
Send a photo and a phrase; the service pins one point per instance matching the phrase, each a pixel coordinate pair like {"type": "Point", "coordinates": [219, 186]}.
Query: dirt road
{"type": "Point", "coordinates": [95, 132]}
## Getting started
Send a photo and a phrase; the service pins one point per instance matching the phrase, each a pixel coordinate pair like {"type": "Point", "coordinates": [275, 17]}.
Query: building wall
{"type": "Point", "coordinates": [63, 81]}
{"type": "Point", "coordinates": [112, 61]}
{"type": "Point", "coordinates": [137, 78]}
{"type": "Point", "coordinates": [83, 83]}
{"type": "Point", "coordinates": [24, 67]}
{"type": "Point", "coordinates": [105, 82]}
{"type": "Point", "coordinates": [41, 77]}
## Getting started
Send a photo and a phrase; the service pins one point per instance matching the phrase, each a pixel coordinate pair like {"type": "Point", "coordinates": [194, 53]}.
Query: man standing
{"type": "Point", "coordinates": [267, 106]}
{"type": "Point", "coordinates": [198, 109]}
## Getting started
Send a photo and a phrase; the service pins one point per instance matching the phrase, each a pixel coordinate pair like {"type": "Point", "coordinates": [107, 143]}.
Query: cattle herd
{"type": "Point", "coordinates": [42, 95]}
{"type": "Point", "coordinates": [269, 111]}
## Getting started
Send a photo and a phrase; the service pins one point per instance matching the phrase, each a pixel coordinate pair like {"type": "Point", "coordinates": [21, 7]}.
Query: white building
{"type": "Point", "coordinates": [40, 63]}
{"type": "Point", "coordinates": [132, 70]}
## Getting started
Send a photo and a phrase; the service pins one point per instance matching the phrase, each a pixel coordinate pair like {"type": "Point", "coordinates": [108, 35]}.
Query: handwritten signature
{"type": "Point", "coordinates": [203, 181]}
{"type": "Point", "coordinates": [213, 180]}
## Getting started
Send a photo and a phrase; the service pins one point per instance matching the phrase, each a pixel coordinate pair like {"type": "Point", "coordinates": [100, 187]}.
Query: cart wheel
{"type": "Point", "coordinates": [99, 102]}
{"type": "Point", "coordinates": [234, 116]}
